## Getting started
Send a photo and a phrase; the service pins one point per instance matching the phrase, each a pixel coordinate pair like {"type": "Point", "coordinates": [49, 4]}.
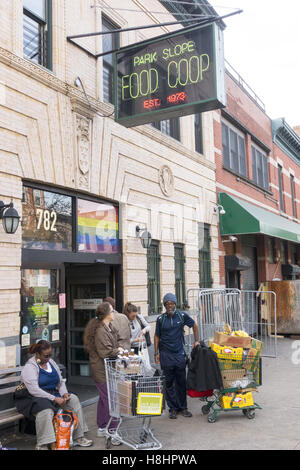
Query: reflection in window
{"type": "Point", "coordinates": [47, 220]}
{"type": "Point", "coordinates": [36, 31]}
{"type": "Point", "coordinates": [97, 227]}
{"type": "Point", "coordinates": [109, 42]}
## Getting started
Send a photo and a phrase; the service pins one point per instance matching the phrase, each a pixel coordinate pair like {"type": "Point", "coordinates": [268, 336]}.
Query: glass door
{"type": "Point", "coordinates": [40, 310]}
{"type": "Point", "coordinates": [83, 301]}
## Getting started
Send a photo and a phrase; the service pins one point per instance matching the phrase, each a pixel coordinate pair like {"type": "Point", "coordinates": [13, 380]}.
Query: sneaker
{"type": "Point", "coordinates": [173, 414]}
{"type": "Point", "coordinates": [101, 432]}
{"type": "Point", "coordinates": [186, 413]}
{"type": "Point", "coordinates": [44, 447]}
{"type": "Point", "coordinates": [83, 442]}
{"type": "Point", "coordinates": [115, 441]}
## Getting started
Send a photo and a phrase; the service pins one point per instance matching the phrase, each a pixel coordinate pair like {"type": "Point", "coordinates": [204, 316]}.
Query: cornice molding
{"type": "Point", "coordinates": [80, 105]}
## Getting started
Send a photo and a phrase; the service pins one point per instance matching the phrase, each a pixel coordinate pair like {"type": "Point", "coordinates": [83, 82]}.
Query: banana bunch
{"type": "Point", "coordinates": [241, 333]}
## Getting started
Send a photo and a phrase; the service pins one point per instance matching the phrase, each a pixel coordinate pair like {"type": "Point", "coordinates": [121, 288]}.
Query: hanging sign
{"type": "Point", "coordinates": [178, 74]}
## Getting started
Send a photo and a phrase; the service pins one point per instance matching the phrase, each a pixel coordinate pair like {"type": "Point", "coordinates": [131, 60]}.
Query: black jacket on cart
{"type": "Point", "coordinates": [204, 372]}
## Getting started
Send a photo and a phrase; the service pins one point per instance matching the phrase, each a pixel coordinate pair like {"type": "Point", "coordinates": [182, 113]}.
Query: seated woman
{"type": "Point", "coordinates": [47, 393]}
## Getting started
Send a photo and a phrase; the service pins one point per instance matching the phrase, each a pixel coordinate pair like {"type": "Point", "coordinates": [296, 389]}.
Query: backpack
{"type": "Point", "coordinates": [64, 422]}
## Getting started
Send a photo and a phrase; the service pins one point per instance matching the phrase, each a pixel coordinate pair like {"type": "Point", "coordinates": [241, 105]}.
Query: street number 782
{"type": "Point", "coordinates": [47, 219]}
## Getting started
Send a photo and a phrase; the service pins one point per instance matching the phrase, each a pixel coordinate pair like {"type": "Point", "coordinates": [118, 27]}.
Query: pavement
{"type": "Point", "coordinates": [275, 427]}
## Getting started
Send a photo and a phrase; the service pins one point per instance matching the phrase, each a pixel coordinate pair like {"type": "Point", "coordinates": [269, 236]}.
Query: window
{"type": "Point", "coordinates": [280, 185]}
{"type": "Point", "coordinates": [97, 227]}
{"type": "Point", "coordinates": [109, 42]}
{"type": "Point", "coordinates": [205, 278]}
{"type": "Point", "coordinates": [284, 251]}
{"type": "Point", "coordinates": [294, 257]}
{"type": "Point", "coordinates": [271, 246]}
{"type": "Point", "coordinates": [47, 220]}
{"type": "Point", "coordinates": [234, 150]}
{"type": "Point", "coordinates": [169, 127]}
{"type": "Point", "coordinates": [292, 179]}
{"type": "Point", "coordinates": [180, 275]}
{"type": "Point", "coordinates": [260, 174]}
{"type": "Point", "coordinates": [37, 31]}
{"type": "Point", "coordinates": [153, 270]}
{"type": "Point", "coordinates": [198, 133]}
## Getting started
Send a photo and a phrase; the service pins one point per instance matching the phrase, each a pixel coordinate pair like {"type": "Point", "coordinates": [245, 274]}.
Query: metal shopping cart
{"type": "Point", "coordinates": [241, 377]}
{"type": "Point", "coordinates": [134, 399]}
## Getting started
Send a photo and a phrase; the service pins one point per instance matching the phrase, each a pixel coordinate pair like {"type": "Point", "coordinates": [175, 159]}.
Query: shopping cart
{"type": "Point", "coordinates": [241, 377]}
{"type": "Point", "coordinates": [134, 399]}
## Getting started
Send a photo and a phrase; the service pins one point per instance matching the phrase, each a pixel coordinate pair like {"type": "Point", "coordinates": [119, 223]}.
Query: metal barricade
{"type": "Point", "coordinates": [252, 311]}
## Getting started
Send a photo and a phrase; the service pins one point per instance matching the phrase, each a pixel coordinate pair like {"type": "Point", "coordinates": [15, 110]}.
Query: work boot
{"type": "Point", "coordinates": [186, 413]}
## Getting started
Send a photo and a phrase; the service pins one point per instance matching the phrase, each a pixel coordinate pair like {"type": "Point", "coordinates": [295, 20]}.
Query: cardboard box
{"type": "Point", "coordinates": [125, 397]}
{"type": "Point", "coordinates": [256, 344]}
{"type": "Point", "coordinates": [231, 376]}
{"type": "Point", "coordinates": [234, 341]}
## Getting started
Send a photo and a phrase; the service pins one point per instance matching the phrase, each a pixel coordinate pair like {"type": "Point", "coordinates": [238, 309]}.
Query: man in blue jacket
{"type": "Point", "coordinates": [170, 354]}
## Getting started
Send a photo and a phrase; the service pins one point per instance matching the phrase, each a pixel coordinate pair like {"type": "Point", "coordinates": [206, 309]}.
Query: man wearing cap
{"type": "Point", "coordinates": [169, 353]}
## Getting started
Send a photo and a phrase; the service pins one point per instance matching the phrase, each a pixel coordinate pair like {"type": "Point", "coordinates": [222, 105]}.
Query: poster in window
{"type": "Point", "coordinates": [97, 227]}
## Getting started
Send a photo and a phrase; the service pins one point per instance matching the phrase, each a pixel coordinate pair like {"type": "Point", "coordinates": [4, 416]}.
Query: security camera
{"type": "Point", "coordinates": [233, 239]}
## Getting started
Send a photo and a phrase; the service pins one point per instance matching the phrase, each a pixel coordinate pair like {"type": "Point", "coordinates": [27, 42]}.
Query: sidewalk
{"type": "Point", "coordinates": [276, 426]}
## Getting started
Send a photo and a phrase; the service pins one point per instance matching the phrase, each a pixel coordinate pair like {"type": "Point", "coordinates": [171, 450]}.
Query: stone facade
{"type": "Point", "coordinates": [50, 134]}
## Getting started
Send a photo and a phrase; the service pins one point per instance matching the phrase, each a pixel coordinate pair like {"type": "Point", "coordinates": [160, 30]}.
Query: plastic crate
{"type": "Point", "coordinates": [242, 400]}
{"type": "Point", "coordinates": [227, 352]}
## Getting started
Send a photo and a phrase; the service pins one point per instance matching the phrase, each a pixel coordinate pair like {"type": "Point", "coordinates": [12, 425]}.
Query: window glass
{"type": "Point", "coordinates": [37, 7]}
{"type": "Point", "coordinates": [234, 158]}
{"type": "Point", "coordinates": [259, 169]}
{"type": "Point", "coordinates": [280, 188]}
{"type": "Point", "coordinates": [40, 309]}
{"type": "Point", "coordinates": [198, 133]}
{"type": "Point", "coordinates": [109, 42]}
{"type": "Point", "coordinates": [225, 138]}
{"type": "Point", "coordinates": [243, 169]}
{"type": "Point", "coordinates": [234, 150]}
{"type": "Point", "coordinates": [97, 227]}
{"type": "Point", "coordinates": [33, 40]}
{"type": "Point", "coordinates": [47, 220]}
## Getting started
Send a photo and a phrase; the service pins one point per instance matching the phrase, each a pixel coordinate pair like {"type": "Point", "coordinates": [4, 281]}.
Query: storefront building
{"type": "Point", "coordinates": [258, 188]}
{"type": "Point", "coordinates": [82, 184]}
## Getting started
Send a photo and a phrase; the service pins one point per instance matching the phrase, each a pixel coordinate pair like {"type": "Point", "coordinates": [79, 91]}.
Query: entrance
{"type": "Point", "coordinates": [87, 286]}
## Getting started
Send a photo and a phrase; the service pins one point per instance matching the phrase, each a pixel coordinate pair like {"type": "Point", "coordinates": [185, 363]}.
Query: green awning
{"type": "Point", "coordinates": [244, 218]}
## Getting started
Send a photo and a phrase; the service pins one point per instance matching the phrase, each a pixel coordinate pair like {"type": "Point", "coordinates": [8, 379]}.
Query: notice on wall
{"type": "Point", "coordinates": [25, 340]}
{"type": "Point", "coordinates": [62, 300]}
{"type": "Point", "coordinates": [53, 317]}
{"type": "Point", "coordinates": [55, 335]}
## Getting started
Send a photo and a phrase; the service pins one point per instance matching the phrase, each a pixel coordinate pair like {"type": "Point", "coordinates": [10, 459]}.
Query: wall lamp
{"type": "Point", "coordinates": [145, 236]}
{"type": "Point", "coordinates": [10, 217]}
{"type": "Point", "coordinates": [231, 239]}
{"type": "Point", "coordinates": [221, 209]}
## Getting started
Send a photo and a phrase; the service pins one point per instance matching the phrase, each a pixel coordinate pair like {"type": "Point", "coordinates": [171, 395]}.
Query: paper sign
{"type": "Point", "coordinates": [62, 300]}
{"type": "Point", "coordinates": [53, 315]}
{"type": "Point", "coordinates": [25, 340]}
{"type": "Point", "coordinates": [86, 304]}
{"type": "Point", "coordinates": [55, 335]}
{"type": "Point", "coordinates": [149, 403]}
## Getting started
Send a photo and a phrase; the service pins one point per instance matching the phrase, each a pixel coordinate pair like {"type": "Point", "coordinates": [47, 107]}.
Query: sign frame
{"type": "Point", "coordinates": [157, 411]}
{"type": "Point", "coordinates": [214, 102]}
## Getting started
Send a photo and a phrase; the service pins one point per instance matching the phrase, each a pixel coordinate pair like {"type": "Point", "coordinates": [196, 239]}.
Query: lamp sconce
{"type": "Point", "coordinates": [145, 236]}
{"type": "Point", "coordinates": [10, 217]}
{"type": "Point", "coordinates": [221, 209]}
{"type": "Point", "coordinates": [230, 239]}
